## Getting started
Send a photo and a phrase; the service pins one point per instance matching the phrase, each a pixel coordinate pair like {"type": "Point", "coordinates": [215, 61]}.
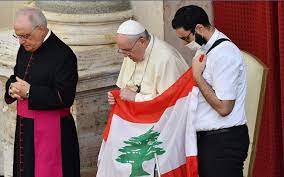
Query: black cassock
{"type": "Point", "coordinates": [52, 73]}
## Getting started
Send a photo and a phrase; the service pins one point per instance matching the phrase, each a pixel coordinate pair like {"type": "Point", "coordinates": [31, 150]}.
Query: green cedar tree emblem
{"type": "Point", "coordinates": [139, 149]}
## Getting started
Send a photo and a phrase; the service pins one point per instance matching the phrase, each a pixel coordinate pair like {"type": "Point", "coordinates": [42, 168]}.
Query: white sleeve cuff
{"type": "Point", "coordinates": [225, 95]}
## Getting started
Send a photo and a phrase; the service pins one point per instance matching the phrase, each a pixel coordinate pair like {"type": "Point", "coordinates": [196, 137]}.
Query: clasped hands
{"type": "Point", "coordinates": [19, 89]}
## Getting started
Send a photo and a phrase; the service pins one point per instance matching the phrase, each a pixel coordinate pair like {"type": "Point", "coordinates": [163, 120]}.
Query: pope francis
{"type": "Point", "coordinates": [150, 65]}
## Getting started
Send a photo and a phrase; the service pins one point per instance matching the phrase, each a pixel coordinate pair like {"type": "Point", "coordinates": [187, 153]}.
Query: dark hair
{"type": "Point", "coordinates": [188, 17]}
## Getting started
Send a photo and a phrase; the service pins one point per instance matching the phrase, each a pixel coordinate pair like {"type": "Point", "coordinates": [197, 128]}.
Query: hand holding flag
{"type": "Point", "coordinates": [198, 65]}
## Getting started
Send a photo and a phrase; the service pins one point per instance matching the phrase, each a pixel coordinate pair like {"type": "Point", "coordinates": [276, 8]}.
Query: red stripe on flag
{"type": "Point", "coordinates": [192, 166]}
{"type": "Point", "coordinates": [190, 169]}
{"type": "Point", "coordinates": [178, 172]}
{"type": "Point", "coordinates": [151, 111]}
{"type": "Point", "coordinates": [107, 127]}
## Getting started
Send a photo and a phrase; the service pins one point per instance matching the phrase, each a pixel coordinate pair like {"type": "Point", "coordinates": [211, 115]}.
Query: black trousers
{"type": "Point", "coordinates": [221, 153]}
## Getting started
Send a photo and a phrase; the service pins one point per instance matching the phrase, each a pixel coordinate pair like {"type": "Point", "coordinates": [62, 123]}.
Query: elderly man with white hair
{"type": "Point", "coordinates": [150, 65]}
{"type": "Point", "coordinates": [44, 86]}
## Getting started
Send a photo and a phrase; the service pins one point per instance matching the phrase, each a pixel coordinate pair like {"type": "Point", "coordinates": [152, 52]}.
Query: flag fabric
{"type": "Point", "coordinates": [136, 132]}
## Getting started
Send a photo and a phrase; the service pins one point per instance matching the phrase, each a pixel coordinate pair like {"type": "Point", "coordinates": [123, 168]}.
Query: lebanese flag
{"type": "Point", "coordinates": [139, 135]}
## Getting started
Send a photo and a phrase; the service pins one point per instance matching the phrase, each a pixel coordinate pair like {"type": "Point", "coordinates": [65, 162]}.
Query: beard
{"type": "Point", "coordinates": [199, 39]}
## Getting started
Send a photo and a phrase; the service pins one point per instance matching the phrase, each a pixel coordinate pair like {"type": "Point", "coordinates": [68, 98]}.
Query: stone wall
{"type": "Point", "coordinates": [8, 48]}
{"type": "Point", "coordinates": [150, 14]}
{"type": "Point", "coordinates": [8, 9]}
{"type": "Point", "coordinates": [1, 139]}
{"type": "Point", "coordinates": [7, 122]}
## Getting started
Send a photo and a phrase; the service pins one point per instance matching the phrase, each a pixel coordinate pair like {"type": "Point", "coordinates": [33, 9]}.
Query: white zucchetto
{"type": "Point", "coordinates": [130, 27]}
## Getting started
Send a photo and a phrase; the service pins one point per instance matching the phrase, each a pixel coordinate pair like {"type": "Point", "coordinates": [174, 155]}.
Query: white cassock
{"type": "Point", "coordinates": [161, 67]}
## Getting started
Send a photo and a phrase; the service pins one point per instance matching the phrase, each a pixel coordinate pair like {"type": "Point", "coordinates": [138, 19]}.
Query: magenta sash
{"type": "Point", "coordinates": [47, 139]}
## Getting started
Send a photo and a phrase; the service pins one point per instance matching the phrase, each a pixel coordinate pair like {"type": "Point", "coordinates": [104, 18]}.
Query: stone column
{"type": "Point", "coordinates": [88, 27]}
{"type": "Point", "coordinates": [8, 51]}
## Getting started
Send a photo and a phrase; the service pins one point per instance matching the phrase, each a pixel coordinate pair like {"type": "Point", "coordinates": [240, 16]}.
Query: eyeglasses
{"type": "Point", "coordinates": [24, 37]}
{"type": "Point", "coordinates": [127, 50]}
{"type": "Point", "coordinates": [185, 38]}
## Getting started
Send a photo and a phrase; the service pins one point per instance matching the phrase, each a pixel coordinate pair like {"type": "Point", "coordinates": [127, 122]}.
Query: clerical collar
{"type": "Point", "coordinates": [47, 36]}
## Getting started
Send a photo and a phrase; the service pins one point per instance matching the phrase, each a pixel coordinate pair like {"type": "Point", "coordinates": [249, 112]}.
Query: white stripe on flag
{"type": "Point", "coordinates": [177, 137]}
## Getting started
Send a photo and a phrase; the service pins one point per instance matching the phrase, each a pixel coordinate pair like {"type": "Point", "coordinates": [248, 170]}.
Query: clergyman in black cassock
{"type": "Point", "coordinates": [44, 86]}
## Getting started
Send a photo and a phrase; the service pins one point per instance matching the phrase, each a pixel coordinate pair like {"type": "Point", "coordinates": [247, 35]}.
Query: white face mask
{"type": "Point", "coordinates": [193, 45]}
